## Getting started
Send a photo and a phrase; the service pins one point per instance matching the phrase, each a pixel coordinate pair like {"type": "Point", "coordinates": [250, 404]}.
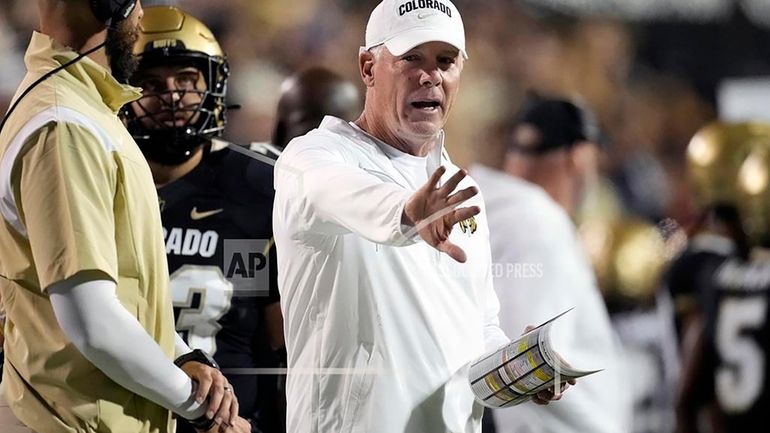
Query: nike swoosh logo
{"type": "Point", "coordinates": [195, 215]}
{"type": "Point", "coordinates": [423, 16]}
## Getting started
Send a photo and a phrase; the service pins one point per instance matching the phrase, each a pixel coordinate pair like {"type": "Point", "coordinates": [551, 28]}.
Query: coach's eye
{"type": "Point", "coordinates": [447, 60]}
{"type": "Point", "coordinates": [411, 57]}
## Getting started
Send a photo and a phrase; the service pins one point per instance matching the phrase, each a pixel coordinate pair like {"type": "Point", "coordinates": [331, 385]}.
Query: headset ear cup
{"type": "Point", "coordinates": [101, 9]}
{"type": "Point", "coordinates": [115, 10]}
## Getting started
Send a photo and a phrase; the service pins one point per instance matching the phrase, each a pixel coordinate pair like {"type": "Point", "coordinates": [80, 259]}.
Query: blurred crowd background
{"type": "Point", "coordinates": [652, 71]}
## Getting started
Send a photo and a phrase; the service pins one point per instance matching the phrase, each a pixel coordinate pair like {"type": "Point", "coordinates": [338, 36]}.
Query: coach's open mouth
{"type": "Point", "coordinates": [427, 105]}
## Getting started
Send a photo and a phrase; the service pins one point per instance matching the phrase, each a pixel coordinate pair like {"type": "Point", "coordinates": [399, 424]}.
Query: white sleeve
{"type": "Point", "coordinates": [332, 196]}
{"type": "Point", "coordinates": [180, 347]}
{"type": "Point", "coordinates": [538, 277]}
{"type": "Point", "coordinates": [494, 336]}
{"type": "Point", "coordinates": [83, 308]}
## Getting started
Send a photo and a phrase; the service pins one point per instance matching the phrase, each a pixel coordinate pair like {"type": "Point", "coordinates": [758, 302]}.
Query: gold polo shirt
{"type": "Point", "coordinates": [76, 195]}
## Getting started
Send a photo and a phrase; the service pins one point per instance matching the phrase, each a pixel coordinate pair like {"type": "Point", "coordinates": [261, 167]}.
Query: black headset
{"type": "Point", "coordinates": [107, 11]}
{"type": "Point", "coordinates": [112, 11]}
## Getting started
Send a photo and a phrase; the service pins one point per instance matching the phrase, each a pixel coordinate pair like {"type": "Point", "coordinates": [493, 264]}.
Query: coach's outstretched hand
{"type": "Point", "coordinates": [433, 211]}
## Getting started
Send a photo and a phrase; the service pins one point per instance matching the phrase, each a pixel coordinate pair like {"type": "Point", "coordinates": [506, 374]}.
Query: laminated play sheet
{"type": "Point", "coordinates": [516, 372]}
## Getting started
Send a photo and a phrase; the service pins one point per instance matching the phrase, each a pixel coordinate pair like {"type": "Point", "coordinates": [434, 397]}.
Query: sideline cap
{"type": "Point", "coordinates": [545, 123]}
{"type": "Point", "coordinates": [404, 24]}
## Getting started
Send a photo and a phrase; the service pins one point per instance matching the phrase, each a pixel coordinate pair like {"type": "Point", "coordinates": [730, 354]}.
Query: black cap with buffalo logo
{"type": "Point", "coordinates": [545, 124]}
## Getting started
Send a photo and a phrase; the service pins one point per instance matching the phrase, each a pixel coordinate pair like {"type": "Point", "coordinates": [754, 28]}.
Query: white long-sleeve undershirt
{"type": "Point", "coordinates": [93, 318]}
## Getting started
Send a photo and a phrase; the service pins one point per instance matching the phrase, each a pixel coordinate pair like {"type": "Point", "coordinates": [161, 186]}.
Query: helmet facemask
{"type": "Point", "coordinates": [173, 144]}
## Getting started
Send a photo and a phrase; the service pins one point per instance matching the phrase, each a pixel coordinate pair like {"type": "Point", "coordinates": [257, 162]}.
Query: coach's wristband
{"type": "Point", "coordinates": [198, 356]}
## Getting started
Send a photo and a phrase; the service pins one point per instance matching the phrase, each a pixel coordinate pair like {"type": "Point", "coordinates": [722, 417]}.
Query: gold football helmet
{"type": "Point", "coordinates": [714, 156]}
{"type": "Point", "coordinates": [754, 195]}
{"type": "Point", "coordinates": [170, 37]}
{"type": "Point", "coordinates": [628, 256]}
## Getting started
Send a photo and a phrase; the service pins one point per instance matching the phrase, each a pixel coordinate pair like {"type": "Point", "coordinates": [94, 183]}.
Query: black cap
{"type": "Point", "coordinates": [546, 124]}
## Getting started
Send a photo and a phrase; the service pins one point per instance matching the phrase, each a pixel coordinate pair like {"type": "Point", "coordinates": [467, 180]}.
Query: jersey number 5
{"type": "Point", "coordinates": [201, 296]}
{"type": "Point", "coordinates": [739, 383]}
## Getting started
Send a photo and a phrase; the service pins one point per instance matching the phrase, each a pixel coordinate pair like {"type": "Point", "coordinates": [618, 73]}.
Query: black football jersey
{"type": "Point", "coordinates": [732, 294]}
{"type": "Point", "coordinates": [217, 226]}
{"type": "Point", "coordinates": [737, 336]}
{"type": "Point", "coordinates": [692, 271]}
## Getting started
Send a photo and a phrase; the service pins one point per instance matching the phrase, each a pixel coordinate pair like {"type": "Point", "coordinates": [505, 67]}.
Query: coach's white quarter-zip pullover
{"type": "Point", "coordinates": [380, 327]}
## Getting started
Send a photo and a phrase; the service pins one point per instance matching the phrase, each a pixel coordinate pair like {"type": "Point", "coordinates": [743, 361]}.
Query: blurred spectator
{"type": "Point", "coordinates": [13, 69]}
{"type": "Point", "coordinates": [542, 270]}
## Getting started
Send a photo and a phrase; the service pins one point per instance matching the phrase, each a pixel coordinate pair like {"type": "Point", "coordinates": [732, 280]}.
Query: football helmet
{"type": "Point", "coordinates": [169, 37]}
{"type": "Point", "coordinates": [725, 163]}
{"type": "Point", "coordinates": [714, 156]}
{"type": "Point", "coordinates": [628, 256]}
{"type": "Point", "coordinates": [754, 194]}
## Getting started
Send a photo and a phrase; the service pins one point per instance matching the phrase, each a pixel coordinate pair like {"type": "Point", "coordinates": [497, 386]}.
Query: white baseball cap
{"type": "Point", "coordinates": [404, 24]}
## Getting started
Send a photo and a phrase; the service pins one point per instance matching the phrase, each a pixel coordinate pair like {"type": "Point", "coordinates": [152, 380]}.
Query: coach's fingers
{"type": "Point", "coordinates": [435, 178]}
{"type": "Point", "coordinates": [540, 401]}
{"type": "Point", "coordinates": [462, 214]}
{"type": "Point", "coordinates": [223, 415]}
{"type": "Point", "coordinates": [240, 425]}
{"type": "Point", "coordinates": [562, 387]}
{"type": "Point", "coordinates": [202, 376]}
{"type": "Point", "coordinates": [462, 196]}
{"type": "Point", "coordinates": [452, 182]}
{"type": "Point", "coordinates": [548, 396]}
{"type": "Point", "coordinates": [453, 251]}
{"type": "Point", "coordinates": [234, 407]}
{"type": "Point", "coordinates": [215, 396]}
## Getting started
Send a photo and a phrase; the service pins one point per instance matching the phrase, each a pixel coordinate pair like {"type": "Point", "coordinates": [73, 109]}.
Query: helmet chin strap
{"type": "Point", "coordinates": [173, 146]}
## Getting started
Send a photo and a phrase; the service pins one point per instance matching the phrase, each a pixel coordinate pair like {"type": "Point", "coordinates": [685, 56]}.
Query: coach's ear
{"type": "Point", "coordinates": [366, 66]}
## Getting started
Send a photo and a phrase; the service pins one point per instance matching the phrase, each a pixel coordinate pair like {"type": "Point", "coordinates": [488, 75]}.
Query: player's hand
{"type": "Point", "coordinates": [213, 386]}
{"type": "Point", "coordinates": [546, 396]}
{"type": "Point", "coordinates": [434, 211]}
